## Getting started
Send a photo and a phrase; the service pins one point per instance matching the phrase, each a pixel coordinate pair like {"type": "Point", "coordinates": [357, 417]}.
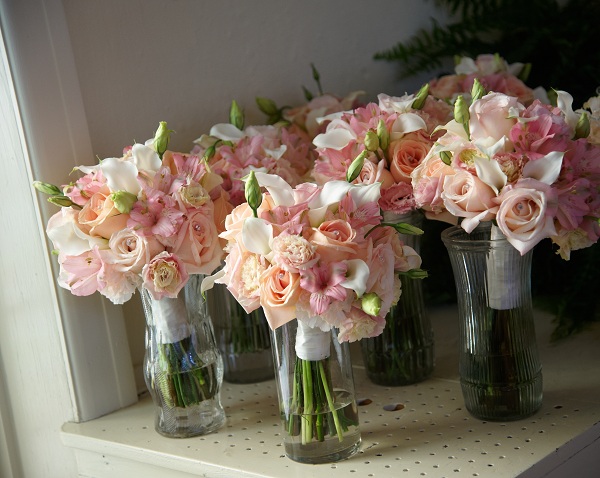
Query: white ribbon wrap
{"type": "Point", "coordinates": [170, 320]}
{"type": "Point", "coordinates": [503, 279]}
{"type": "Point", "coordinates": [312, 343]}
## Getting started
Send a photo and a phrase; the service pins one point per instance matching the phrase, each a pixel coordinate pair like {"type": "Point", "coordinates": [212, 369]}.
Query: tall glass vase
{"type": "Point", "coordinates": [404, 352]}
{"type": "Point", "coordinates": [500, 371]}
{"type": "Point", "coordinates": [182, 365]}
{"type": "Point", "coordinates": [316, 394]}
{"type": "Point", "coordinates": [243, 339]}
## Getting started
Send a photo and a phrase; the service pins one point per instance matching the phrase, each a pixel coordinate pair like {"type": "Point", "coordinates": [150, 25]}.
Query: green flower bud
{"type": "Point", "coordinates": [62, 201]}
{"type": "Point", "coordinates": [123, 201]}
{"type": "Point", "coordinates": [307, 94]}
{"type": "Point", "coordinates": [47, 188]}
{"type": "Point", "coordinates": [446, 157]}
{"type": "Point", "coordinates": [317, 78]}
{"type": "Point", "coordinates": [406, 228]}
{"type": "Point", "coordinates": [421, 97]}
{"type": "Point", "coordinates": [371, 141]}
{"type": "Point", "coordinates": [236, 116]}
{"type": "Point", "coordinates": [371, 303]}
{"type": "Point", "coordinates": [478, 91]}
{"type": "Point", "coordinates": [582, 129]}
{"type": "Point", "coordinates": [383, 134]}
{"type": "Point", "coordinates": [415, 274]}
{"type": "Point", "coordinates": [161, 138]}
{"type": "Point", "coordinates": [461, 113]}
{"type": "Point", "coordinates": [525, 72]}
{"type": "Point", "coordinates": [356, 166]}
{"type": "Point", "coordinates": [267, 106]}
{"type": "Point", "coordinates": [252, 192]}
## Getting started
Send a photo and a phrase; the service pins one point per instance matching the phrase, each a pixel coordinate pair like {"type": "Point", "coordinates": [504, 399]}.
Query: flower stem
{"type": "Point", "coordinates": [330, 402]}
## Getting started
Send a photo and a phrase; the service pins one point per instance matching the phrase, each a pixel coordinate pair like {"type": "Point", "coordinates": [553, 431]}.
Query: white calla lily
{"type": "Point", "coordinates": [335, 138]}
{"type": "Point", "coordinates": [565, 103]}
{"type": "Point", "coordinates": [365, 193]}
{"type": "Point", "coordinates": [545, 169]}
{"type": "Point", "coordinates": [65, 235]}
{"type": "Point", "coordinates": [490, 173]}
{"type": "Point", "coordinates": [145, 157]}
{"type": "Point", "coordinates": [226, 132]}
{"type": "Point", "coordinates": [257, 235]}
{"type": "Point", "coordinates": [407, 123]}
{"type": "Point", "coordinates": [466, 66]}
{"type": "Point", "coordinates": [278, 152]}
{"type": "Point", "coordinates": [395, 104]}
{"type": "Point", "coordinates": [356, 276]}
{"type": "Point", "coordinates": [209, 281]}
{"type": "Point", "coordinates": [121, 175]}
{"type": "Point", "coordinates": [281, 192]}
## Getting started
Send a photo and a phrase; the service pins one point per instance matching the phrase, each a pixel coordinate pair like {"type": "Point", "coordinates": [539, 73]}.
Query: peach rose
{"type": "Point", "coordinates": [375, 173]}
{"type": "Point", "coordinates": [490, 118]}
{"type": "Point", "coordinates": [334, 240]}
{"type": "Point", "coordinates": [99, 217]}
{"type": "Point", "coordinates": [279, 291]}
{"type": "Point", "coordinates": [406, 154]}
{"type": "Point", "coordinates": [465, 195]}
{"type": "Point", "coordinates": [130, 252]}
{"type": "Point", "coordinates": [164, 276]}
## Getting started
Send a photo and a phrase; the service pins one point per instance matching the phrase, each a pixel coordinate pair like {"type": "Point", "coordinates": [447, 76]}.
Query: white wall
{"type": "Point", "coordinates": [93, 76]}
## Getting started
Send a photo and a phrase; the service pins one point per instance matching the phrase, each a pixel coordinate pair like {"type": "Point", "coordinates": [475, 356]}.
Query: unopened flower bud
{"type": "Point", "coordinates": [582, 129]}
{"type": "Point", "coordinates": [371, 141]}
{"type": "Point", "coordinates": [421, 97]}
{"type": "Point", "coordinates": [252, 192]}
{"type": "Point", "coordinates": [406, 228]}
{"type": "Point", "coordinates": [525, 72]}
{"type": "Point", "coordinates": [478, 91]}
{"type": "Point", "coordinates": [371, 304]}
{"type": "Point", "coordinates": [416, 274]}
{"type": "Point", "coordinates": [123, 201]}
{"type": "Point", "coordinates": [267, 106]}
{"type": "Point", "coordinates": [47, 188]}
{"type": "Point", "coordinates": [383, 134]}
{"type": "Point", "coordinates": [446, 157]}
{"type": "Point", "coordinates": [461, 113]}
{"type": "Point", "coordinates": [356, 166]}
{"type": "Point", "coordinates": [62, 201]}
{"type": "Point", "coordinates": [161, 138]}
{"type": "Point", "coordinates": [236, 116]}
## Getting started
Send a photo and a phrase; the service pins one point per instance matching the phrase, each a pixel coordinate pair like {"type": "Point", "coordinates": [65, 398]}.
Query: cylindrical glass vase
{"type": "Point", "coordinates": [182, 365]}
{"type": "Point", "coordinates": [315, 387]}
{"type": "Point", "coordinates": [404, 352]}
{"type": "Point", "coordinates": [243, 339]}
{"type": "Point", "coordinates": [500, 371]}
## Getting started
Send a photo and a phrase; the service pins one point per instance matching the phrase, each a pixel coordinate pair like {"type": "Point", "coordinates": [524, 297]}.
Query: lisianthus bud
{"type": "Point", "coordinates": [252, 192]}
{"type": "Point", "coordinates": [406, 228]}
{"type": "Point", "coordinates": [415, 274]}
{"type": "Point", "coordinates": [478, 91]}
{"type": "Point", "coordinates": [123, 201]}
{"type": "Point", "coordinates": [356, 166]}
{"type": "Point", "coordinates": [461, 112]}
{"type": "Point", "coordinates": [524, 73]}
{"type": "Point", "coordinates": [62, 201]}
{"type": "Point", "coordinates": [236, 116]}
{"type": "Point", "coordinates": [383, 134]}
{"type": "Point", "coordinates": [582, 129]}
{"type": "Point", "coordinates": [371, 303]}
{"type": "Point", "coordinates": [446, 157]}
{"type": "Point", "coordinates": [161, 138]}
{"type": "Point", "coordinates": [421, 97]}
{"type": "Point", "coordinates": [267, 106]}
{"type": "Point", "coordinates": [317, 78]}
{"type": "Point", "coordinates": [371, 141]}
{"type": "Point", "coordinates": [47, 188]}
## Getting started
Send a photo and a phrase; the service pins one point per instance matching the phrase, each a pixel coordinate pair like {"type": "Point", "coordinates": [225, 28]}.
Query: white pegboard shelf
{"type": "Point", "coordinates": [432, 435]}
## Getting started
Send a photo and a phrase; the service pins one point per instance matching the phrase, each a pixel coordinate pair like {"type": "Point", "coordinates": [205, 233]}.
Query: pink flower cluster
{"type": "Point", "coordinates": [524, 167]}
{"type": "Point", "coordinates": [280, 150]}
{"type": "Point", "coordinates": [491, 71]}
{"type": "Point", "coordinates": [138, 221]}
{"type": "Point", "coordinates": [408, 135]}
{"type": "Point", "coordinates": [309, 255]}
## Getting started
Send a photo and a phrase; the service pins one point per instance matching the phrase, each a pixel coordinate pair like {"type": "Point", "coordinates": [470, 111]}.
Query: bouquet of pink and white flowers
{"type": "Point", "coordinates": [531, 170]}
{"type": "Point", "coordinates": [381, 142]}
{"type": "Point", "coordinates": [146, 220]}
{"type": "Point", "coordinates": [319, 255]}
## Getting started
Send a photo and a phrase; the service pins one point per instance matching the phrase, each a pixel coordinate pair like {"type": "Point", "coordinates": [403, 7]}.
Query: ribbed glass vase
{"type": "Point", "coordinates": [500, 371]}
{"type": "Point", "coordinates": [404, 352]}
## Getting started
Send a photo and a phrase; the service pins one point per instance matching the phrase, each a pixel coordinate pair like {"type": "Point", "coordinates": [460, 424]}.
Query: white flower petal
{"type": "Point", "coordinates": [226, 132]}
{"type": "Point", "coordinates": [407, 123]}
{"type": "Point", "coordinates": [395, 104]}
{"type": "Point", "coordinates": [356, 276]}
{"type": "Point", "coordinates": [281, 192]}
{"type": "Point", "coordinates": [145, 158]}
{"type": "Point", "coordinates": [277, 153]}
{"type": "Point", "coordinates": [490, 173]}
{"type": "Point", "coordinates": [365, 193]}
{"type": "Point", "coordinates": [466, 66]}
{"type": "Point", "coordinates": [545, 169]}
{"type": "Point", "coordinates": [209, 281]}
{"type": "Point", "coordinates": [64, 235]}
{"type": "Point", "coordinates": [257, 235]}
{"type": "Point", "coordinates": [336, 138]}
{"type": "Point", "coordinates": [565, 102]}
{"type": "Point", "coordinates": [120, 175]}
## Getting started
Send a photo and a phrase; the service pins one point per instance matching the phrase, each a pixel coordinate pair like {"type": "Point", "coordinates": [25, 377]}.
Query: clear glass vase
{"type": "Point", "coordinates": [500, 371]}
{"type": "Point", "coordinates": [183, 368]}
{"type": "Point", "coordinates": [315, 387]}
{"type": "Point", "coordinates": [404, 352]}
{"type": "Point", "coordinates": [243, 339]}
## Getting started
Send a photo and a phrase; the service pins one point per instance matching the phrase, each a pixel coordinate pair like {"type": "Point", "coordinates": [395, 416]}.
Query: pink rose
{"type": "Point", "coordinates": [465, 195]}
{"type": "Point", "coordinates": [164, 276]}
{"type": "Point", "coordinates": [130, 252]}
{"type": "Point", "coordinates": [360, 325]}
{"type": "Point", "coordinates": [398, 199]}
{"type": "Point", "coordinates": [405, 257]}
{"type": "Point", "coordinates": [197, 243]}
{"type": "Point", "coordinates": [279, 291]}
{"type": "Point", "coordinates": [382, 279]}
{"type": "Point", "coordinates": [406, 154]}
{"type": "Point", "coordinates": [100, 217]}
{"type": "Point", "coordinates": [375, 173]}
{"type": "Point", "coordinates": [445, 87]}
{"type": "Point", "coordinates": [525, 215]}
{"type": "Point", "coordinates": [490, 117]}
{"type": "Point", "coordinates": [334, 240]}
{"type": "Point", "coordinates": [428, 180]}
